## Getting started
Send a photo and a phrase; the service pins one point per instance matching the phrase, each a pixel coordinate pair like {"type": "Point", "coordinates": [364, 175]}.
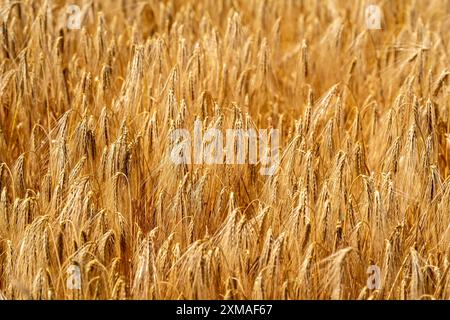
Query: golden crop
{"type": "Point", "coordinates": [86, 179]}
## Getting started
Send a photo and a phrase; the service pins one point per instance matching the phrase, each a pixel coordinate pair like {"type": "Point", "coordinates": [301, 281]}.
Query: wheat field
{"type": "Point", "coordinates": [86, 177]}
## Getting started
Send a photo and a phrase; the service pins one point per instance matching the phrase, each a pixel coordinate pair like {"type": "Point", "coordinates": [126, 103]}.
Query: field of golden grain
{"type": "Point", "coordinates": [93, 207]}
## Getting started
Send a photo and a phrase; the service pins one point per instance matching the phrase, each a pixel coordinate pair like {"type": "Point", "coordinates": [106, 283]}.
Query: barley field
{"type": "Point", "coordinates": [92, 205]}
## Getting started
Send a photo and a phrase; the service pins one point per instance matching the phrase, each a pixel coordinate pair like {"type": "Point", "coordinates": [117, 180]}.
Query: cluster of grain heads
{"type": "Point", "coordinates": [89, 192]}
